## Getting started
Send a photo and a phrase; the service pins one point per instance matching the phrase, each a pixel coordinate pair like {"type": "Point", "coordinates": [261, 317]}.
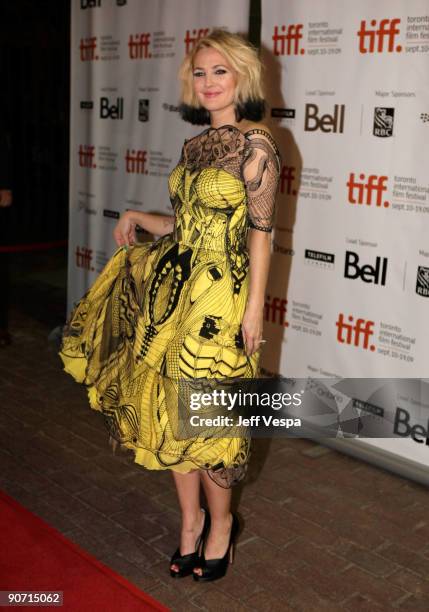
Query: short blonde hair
{"type": "Point", "coordinates": [242, 56]}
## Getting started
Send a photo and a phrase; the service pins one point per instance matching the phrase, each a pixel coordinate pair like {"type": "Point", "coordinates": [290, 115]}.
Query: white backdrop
{"type": "Point", "coordinates": [349, 107]}
{"type": "Point", "coordinates": [126, 134]}
{"type": "Point", "coordinates": [349, 98]}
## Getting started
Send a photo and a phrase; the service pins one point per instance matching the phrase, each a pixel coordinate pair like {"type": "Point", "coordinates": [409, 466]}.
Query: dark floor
{"type": "Point", "coordinates": [322, 531]}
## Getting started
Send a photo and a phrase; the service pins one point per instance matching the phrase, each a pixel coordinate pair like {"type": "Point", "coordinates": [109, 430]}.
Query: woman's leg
{"type": "Point", "coordinates": [188, 492]}
{"type": "Point", "coordinates": [219, 502]}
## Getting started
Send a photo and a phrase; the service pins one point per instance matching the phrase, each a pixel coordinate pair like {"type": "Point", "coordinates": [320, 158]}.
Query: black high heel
{"type": "Point", "coordinates": [186, 563]}
{"type": "Point", "coordinates": [213, 569]}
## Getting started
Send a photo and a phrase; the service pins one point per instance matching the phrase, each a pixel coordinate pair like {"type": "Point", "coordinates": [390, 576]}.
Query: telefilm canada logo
{"type": "Point", "coordinates": [319, 258]}
{"type": "Point", "coordinates": [383, 122]}
{"type": "Point", "coordinates": [422, 283]}
{"type": "Point", "coordinates": [283, 113]}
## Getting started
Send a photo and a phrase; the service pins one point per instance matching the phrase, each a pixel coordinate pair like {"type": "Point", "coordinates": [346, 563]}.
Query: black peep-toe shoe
{"type": "Point", "coordinates": [213, 569]}
{"type": "Point", "coordinates": [186, 563]}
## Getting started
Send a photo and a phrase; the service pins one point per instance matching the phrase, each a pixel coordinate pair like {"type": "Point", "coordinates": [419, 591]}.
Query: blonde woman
{"type": "Point", "coordinates": [190, 304]}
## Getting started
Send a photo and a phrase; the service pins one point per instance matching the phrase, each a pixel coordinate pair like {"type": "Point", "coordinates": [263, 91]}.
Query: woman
{"type": "Point", "coordinates": [190, 304]}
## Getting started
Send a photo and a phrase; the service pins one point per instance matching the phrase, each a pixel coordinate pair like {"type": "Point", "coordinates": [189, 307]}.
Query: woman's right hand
{"type": "Point", "coordinates": [124, 232]}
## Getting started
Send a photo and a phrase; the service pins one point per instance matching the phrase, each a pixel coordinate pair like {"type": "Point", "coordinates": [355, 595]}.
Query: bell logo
{"type": "Point", "coordinates": [354, 332]}
{"type": "Point", "coordinates": [326, 123]}
{"type": "Point", "coordinates": [372, 39]}
{"type": "Point", "coordinates": [138, 46]}
{"type": "Point", "coordinates": [86, 156]}
{"type": "Point", "coordinates": [369, 274]}
{"type": "Point", "coordinates": [191, 39]}
{"type": "Point", "coordinates": [402, 428]}
{"type": "Point", "coordinates": [111, 111]}
{"type": "Point", "coordinates": [286, 42]}
{"type": "Point", "coordinates": [135, 162]}
{"type": "Point", "coordinates": [275, 311]}
{"type": "Point", "coordinates": [367, 192]}
{"type": "Point", "coordinates": [87, 49]}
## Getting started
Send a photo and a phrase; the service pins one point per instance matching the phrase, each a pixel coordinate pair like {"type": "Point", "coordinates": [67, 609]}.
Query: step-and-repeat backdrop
{"type": "Point", "coordinates": [348, 102]}
{"type": "Point", "coordinates": [126, 134]}
{"type": "Point", "coordinates": [349, 287]}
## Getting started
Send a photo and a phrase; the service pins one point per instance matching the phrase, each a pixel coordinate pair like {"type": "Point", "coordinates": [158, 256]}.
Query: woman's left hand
{"type": "Point", "coordinates": [251, 328]}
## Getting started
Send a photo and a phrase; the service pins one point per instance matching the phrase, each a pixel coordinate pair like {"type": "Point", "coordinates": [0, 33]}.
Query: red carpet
{"type": "Point", "coordinates": [35, 556]}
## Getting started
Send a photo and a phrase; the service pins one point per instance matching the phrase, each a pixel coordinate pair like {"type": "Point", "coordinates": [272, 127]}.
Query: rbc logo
{"type": "Point", "coordinates": [422, 283]}
{"type": "Point", "coordinates": [383, 122]}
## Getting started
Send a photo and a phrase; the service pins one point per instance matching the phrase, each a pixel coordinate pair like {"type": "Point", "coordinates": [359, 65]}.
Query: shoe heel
{"type": "Point", "coordinates": [231, 553]}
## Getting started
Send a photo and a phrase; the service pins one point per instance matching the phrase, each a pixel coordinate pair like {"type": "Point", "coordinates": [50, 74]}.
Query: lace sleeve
{"type": "Point", "coordinates": [261, 173]}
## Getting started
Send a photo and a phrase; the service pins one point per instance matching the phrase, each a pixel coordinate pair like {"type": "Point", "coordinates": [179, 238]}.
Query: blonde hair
{"type": "Point", "coordinates": [242, 56]}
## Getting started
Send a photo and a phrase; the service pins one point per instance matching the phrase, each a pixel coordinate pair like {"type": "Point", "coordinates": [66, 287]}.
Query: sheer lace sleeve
{"type": "Point", "coordinates": [261, 173]}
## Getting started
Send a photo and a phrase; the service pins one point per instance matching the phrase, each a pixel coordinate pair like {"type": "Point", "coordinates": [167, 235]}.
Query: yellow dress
{"type": "Point", "coordinates": [172, 309]}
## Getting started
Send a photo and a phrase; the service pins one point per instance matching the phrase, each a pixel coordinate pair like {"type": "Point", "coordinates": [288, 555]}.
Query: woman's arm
{"type": "Point", "coordinates": [152, 222]}
{"type": "Point", "coordinates": [259, 265]}
{"type": "Point", "coordinates": [261, 173]}
{"type": "Point", "coordinates": [124, 232]}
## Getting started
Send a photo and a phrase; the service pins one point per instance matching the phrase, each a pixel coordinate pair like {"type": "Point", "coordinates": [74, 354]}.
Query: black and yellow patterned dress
{"type": "Point", "coordinates": [172, 309]}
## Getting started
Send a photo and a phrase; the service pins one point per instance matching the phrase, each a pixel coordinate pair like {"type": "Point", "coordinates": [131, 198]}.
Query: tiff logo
{"type": "Point", "coordinates": [83, 258]}
{"type": "Point", "coordinates": [190, 40]}
{"type": "Point", "coordinates": [87, 49]}
{"type": "Point", "coordinates": [138, 46]}
{"type": "Point", "coordinates": [371, 39]}
{"type": "Point", "coordinates": [357, 333]}
{"type": "Point", "coordinates": [86, 156]}
{"type": "Point", "coordinates": [275, 311]}
{"type": "Point", "coordinates": [286, 42]}
{"type": "Point", "coordinates": [287, 178]}
{"type": "Point", "coordinates": [325, 123]}
{"type": "Point", "coordinates": [135, 162]}
{"type": "Point", "coordinates": [367, 192]}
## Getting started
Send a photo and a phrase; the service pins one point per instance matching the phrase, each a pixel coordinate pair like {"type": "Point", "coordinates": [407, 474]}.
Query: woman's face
{"type": "Point", "coordinates": [214, 79]}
